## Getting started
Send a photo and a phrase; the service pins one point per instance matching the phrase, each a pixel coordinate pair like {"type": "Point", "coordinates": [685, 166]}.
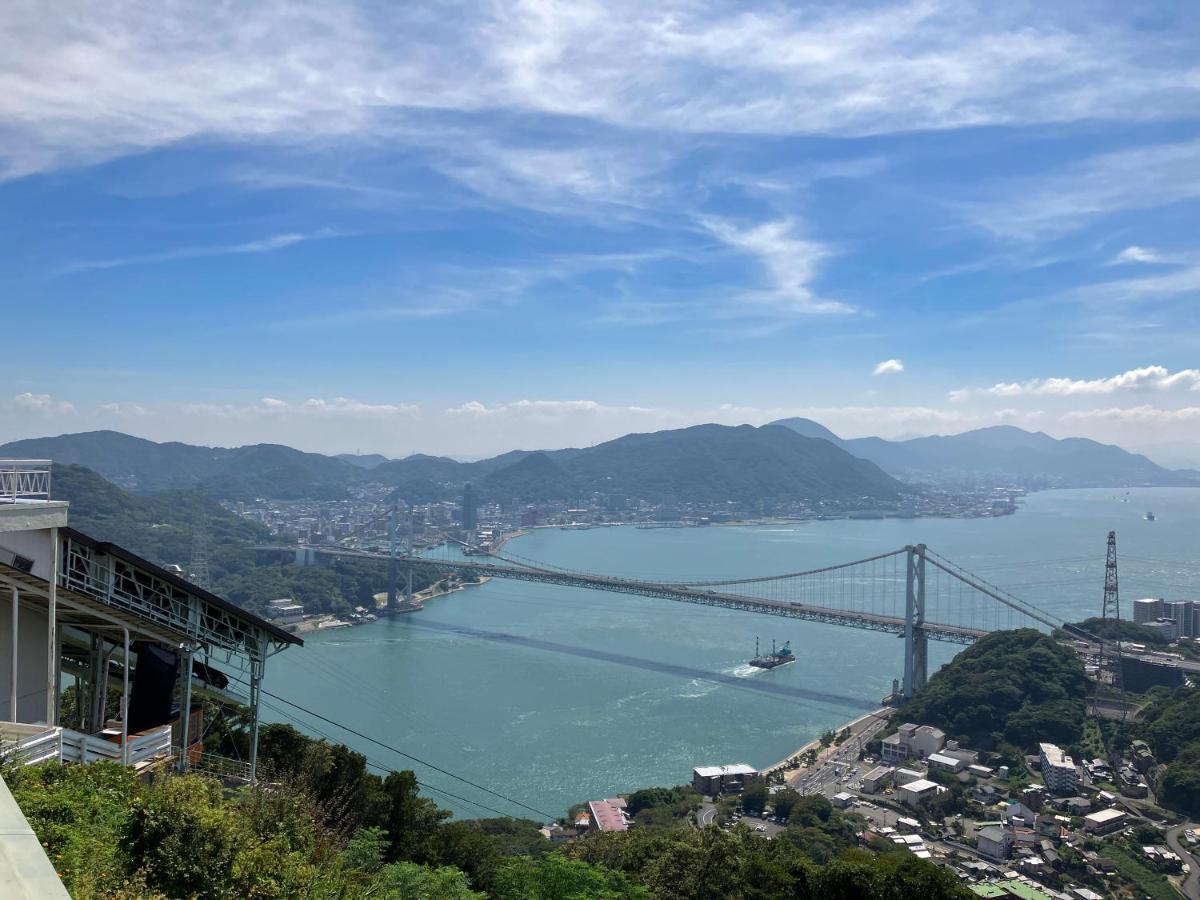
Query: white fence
{"type": "Point", "coordinates": [24, 479]}
{"type": "Point", "coordinates": [29, 744]}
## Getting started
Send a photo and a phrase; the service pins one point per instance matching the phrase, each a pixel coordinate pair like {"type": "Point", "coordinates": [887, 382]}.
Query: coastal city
{"type": "Point", "coordinates": [539, 450]}
{"type": "Point", "coordinates": [362, 522]}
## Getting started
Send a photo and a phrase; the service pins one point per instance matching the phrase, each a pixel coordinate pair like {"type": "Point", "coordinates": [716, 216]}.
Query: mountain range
{"type": "Point", "coordinates": [790, 459]}
{"type": "Point", "coordinates": [704, 463]}
{"type": "Point", "coordinates": [1003, 453]}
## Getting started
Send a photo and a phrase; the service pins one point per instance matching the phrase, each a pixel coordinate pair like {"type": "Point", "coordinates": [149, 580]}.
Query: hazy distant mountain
{"type": "Point", "coordinates": [1007, 453]}
{"type": "Point", "coordinates": [363, 460]}
{"type": "Point", "coordinates": [706, 463]}
{"type": "Point", "coordinates": [258, 470]}
{"type": "Point", "coordinates": [532, 478]}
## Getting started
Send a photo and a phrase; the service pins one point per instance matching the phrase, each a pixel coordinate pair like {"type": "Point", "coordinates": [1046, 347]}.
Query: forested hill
{"type": "Point", "coordinates": [159, 527]}
{"type": "Point", "coordinates": [240, 473]}
{"type": "Point", "coordinates": [702, 464]}
{"type": "Point", "coordinates": [705, 463]}
{"type": "Point", "coordinates": [1010, 687]}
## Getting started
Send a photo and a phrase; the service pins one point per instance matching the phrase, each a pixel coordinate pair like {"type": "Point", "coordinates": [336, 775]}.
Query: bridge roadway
{"type": "Point", "coordinates": [871, 621]}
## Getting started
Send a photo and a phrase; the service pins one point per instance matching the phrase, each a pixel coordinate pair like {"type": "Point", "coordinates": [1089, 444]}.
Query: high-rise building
{"type": "Point", "coordinates": [1147, 610]}
{"type": "Point", "coordinates": [1184, 613]}
{"type": "Point", "coordinates": [470, 507]}
{"type": "Point", "coordinates": [1058, 770]}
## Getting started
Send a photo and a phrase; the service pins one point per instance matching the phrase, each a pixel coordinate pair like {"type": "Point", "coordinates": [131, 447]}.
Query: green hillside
{"type": "Point", "coordinates": [702, 464]}
{"type": "Point", "coordinates": [242, 473]}
{"type": "Point", "coordinates": [159, 527]}
{"type": "Point", "coordinates": [1015, 687]}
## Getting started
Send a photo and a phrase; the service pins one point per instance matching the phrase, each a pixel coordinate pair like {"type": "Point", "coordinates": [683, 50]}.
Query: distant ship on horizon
{"type": "Point", "coordinates": [1149, 517]}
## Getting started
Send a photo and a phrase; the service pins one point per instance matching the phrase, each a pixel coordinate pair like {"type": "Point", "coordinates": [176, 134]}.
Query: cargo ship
{"type": "Point", "coordinates": [779, 657]}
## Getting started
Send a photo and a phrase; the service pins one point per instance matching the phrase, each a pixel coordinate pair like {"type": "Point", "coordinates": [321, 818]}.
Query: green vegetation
{"type": "Point", "coordinates": [706, 463]}
{"type": "Point", "coordinates": [658, 807]}
{"type": "Point", "coordinates": [1118, 630]}
{"type": "Point", "coordinates": [1181, 782]}
{"type": "Point", "coordinates": [160, 527]}
{"type": "Point", "coordinates": [1134, 870]}
{"type": "Point", "coordinates": [1011, 687]}
{"type": "Point", "coordinates": [1170, 724]}
{"type": "Point", "coordinates": [736, 864]}
{"type": "Point", "coordinates": [243, 473]}
{"type": "Point", "coordinates": [324, 827]}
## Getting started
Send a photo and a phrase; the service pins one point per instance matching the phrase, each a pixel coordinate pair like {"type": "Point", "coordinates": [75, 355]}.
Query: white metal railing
{"type": "Point", "coordinates": [30, 744]}
{"type": "Point", "coordinates": [86, 748]}
{"type": "Point", "coordinates": [214, 765]}
{"type": "Point", "coordinates": [24, 479]}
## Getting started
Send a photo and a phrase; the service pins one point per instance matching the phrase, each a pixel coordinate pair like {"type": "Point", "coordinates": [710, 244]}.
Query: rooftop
{"type": "Point", "coordinates": [920, 785]}
{"type": "Point", "coordinates": [609, 815]}
{"type": "Point", "coordinates": [1054, 755]}
{"type": "Point", "coordinates": [732, 769]}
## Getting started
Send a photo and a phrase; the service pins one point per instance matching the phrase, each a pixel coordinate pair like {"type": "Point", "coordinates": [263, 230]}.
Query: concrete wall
{"type": "Point", "coordinates": [34, 544]}
{"type": "Point", "coordinates": [31, 661]}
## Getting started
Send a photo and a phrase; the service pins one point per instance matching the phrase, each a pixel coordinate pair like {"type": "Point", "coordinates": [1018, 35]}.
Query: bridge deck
{"type": "Point", "coordinates": [831, 615]}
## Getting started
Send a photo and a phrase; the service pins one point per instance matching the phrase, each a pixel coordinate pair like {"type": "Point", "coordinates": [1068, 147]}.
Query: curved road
{"type": "Point", "coordinates": [1191, 884]}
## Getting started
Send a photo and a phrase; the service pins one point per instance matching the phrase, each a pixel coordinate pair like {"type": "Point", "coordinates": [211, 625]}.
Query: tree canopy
{"type": "Point", "coordinates": [1017, 687]}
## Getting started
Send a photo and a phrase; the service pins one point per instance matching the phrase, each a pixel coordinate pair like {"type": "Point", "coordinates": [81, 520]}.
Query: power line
{"type": "Point", "coordinates": [387, 771]}
{"type": "Point", "coordinates": [429, 765]}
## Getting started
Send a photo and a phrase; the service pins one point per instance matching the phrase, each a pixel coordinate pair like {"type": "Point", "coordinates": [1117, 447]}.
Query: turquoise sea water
{"type": "Point", "coordinates": [553, 696]}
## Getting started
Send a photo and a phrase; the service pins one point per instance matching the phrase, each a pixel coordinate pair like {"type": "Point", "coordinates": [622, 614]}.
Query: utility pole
{"type": "Point", "coordinates": [1112, 606]}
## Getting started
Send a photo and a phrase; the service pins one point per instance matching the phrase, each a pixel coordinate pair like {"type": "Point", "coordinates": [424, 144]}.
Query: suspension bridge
{"type": "Point", "coordinates": [912, 592]}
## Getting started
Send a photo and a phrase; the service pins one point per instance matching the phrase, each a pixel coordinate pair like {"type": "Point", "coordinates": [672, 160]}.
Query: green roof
{"type": "Point", "coordinates": [1010, 888]}
{"type": "Point", "coordinates": [988, 890]}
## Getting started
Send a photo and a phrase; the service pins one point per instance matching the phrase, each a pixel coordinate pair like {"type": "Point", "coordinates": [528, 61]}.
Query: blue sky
{"type": "Point", "coordinates": [463, 228]}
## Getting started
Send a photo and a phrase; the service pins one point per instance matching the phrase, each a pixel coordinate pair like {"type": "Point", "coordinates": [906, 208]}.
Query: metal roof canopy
{"type": "Point", "coordinates": [117, 579]}
{"type": "Point", "coordinates": [83, 611]}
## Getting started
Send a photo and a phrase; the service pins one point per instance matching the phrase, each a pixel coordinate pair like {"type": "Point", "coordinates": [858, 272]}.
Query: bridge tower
{"type": "Point", "coordinates": [392, 562]}
{"type": "Point", "coordinates": [916, 642]}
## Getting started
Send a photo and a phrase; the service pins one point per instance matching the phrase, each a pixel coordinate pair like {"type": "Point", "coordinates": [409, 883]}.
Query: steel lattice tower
{"type": "Point", "coordinates": [198, 572]}
{"type": "Point", "coordinates": [1112, 607]}
{"type": "Point", "coordinates": [1112, 600]}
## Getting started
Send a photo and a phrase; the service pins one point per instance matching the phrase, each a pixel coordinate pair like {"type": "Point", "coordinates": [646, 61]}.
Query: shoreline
{"type": "Point", "coordinates": [815, 744]}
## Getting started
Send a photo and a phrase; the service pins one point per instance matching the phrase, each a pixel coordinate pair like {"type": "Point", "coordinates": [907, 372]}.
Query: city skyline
{"type": "Point", "coordinates": [351, 227]}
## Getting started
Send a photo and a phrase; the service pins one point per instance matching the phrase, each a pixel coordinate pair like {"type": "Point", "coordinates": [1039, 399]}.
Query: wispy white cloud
{"type": "Point", "coordinates": [791, 263]}
{"type": "Point", "coordinates": [888, 367]}
{"type": "Point", "coordinates": [545, 409]}
{"type": "Point", "coordinates": [313, 407]}
{"type": "Point", "coordinates": [335, 70]}
{"type": "Point", "coordinates": [1054, 203]}
{"type": "Point", "coordinates": [43, 404]}
{"type": "Point", "coordinates": [1146, 378]}
{"type": "Point", "coordinates": [265, 245]}
{"type": "Point", "coordinates": [1137, 415]}
{"type": "Point", "coordinates": [1136, 254]}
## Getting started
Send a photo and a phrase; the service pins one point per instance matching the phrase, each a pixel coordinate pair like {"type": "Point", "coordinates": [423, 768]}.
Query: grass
{"type": "Point", "coordinates": [1148, 882]}
{"type": "Point", "coordinates": [1092, 741]}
